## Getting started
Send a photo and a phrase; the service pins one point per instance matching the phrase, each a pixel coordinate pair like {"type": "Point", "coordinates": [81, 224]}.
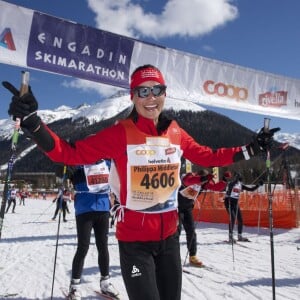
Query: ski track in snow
{"type": "Point", "coordinates": [28, 248]}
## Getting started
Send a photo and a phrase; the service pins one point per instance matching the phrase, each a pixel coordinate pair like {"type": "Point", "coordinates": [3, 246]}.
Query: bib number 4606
{"type": "Point", "coordinates": [158, 180]}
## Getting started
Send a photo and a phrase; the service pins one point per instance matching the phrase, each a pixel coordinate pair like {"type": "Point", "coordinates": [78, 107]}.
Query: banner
{"type": "Point", "coordinates": [39, 41]}
{"type": "Point", "coordinates": [254, 207]}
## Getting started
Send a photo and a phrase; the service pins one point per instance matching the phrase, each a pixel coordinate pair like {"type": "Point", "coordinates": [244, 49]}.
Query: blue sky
{"type": "Point", "coordinates": [259, 34]}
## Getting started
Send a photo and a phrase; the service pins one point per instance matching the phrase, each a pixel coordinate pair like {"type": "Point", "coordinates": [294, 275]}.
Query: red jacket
{"type": "Point", "coordinates": [111, 143]}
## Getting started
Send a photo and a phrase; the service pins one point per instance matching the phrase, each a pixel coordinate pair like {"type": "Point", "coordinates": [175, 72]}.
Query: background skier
{"type": "Point", "coordinates": [62, 203]}
{"type": "Point", "coordinates": [12, 199]}
{"type": "Point", "coordinates": [231, 202]}
{"type": "Point", "coordinates": [193, 183]}
{"type": "Point", "coordinates": [92, 206]}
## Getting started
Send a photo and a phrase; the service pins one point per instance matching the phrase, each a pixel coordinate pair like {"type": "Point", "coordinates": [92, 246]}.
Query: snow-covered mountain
{"type": "Point", "coordinates": [110, 107]}
{"type": "Point", "coordinates": [292, 138]}
{"type": "Point", "coordinates": [103, 110]}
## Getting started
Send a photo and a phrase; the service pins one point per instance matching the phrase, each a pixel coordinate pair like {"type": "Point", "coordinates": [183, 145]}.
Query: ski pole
{"type": "Point", "coordinates": [15, 136]}
{"type": "Point", "coordinates": [270, 200]}
{"type": "Point", "coordinates": [283, 147]}
{"type": "Point", "coordinates": [42, 213]}
{"type": "Point", "coordinates": [232, 215]}
{"type": "Point", "coordinates": [259, 215]}
{"type": "Point", "coordinates": [58, 227]}
{"type": "Point", "coordinates": [231, 225]}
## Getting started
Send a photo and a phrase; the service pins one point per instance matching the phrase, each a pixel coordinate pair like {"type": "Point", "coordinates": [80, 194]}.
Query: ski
{"type": "Point", "coordinates": [244, 240]}
{"type": "Point", "coordinates": [105, 296]}
{"type": "Point", "coordinates": [186, 271]}
{"type": "Point", "coordinates": [65, 292]}
{"type": "Point", "coordinates": [8, 295]}
{"type": "Point", "coordinates": [100, 295]}
{"type": "Point", "coordinates": [23, 90]}
{"type": "Point", "coordinates": [238, 243]}
{"type": "Point", "coordinates": [205, 267]}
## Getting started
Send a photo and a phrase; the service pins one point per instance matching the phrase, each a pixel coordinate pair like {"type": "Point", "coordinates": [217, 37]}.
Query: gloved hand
{"type": "Point", "coordinates": [23, 107]}
{"type": "Point", "coordinates": [261, 182]}
{"type": "Point", "coordinates": [265, 139]}
{"type": "Point", "coordinates": [261, 143]}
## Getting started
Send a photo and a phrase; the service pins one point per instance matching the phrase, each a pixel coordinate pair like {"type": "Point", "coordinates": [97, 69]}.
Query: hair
{"type": "Point", "coordinates": [163, 120]}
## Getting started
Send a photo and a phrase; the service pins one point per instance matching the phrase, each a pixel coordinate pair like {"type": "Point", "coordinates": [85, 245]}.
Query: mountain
{"type": "Point", "coordinates": [104, 110]}
{"type": "Point", "coordinates": [205, 126]}
{"type": "Point", "coordinates": [110, 108]}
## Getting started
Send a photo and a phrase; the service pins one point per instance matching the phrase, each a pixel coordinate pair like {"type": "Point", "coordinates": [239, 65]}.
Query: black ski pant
{"type": "Point", "coordinates": [233, 209]}
{"type": "Point", "coordinates": [186, 219]}
{"type": "Point", "coordinates": [22, 200]}
{"type": "Point", "coordinates": [63, 207]}
{"type": "Point", "coordinates": [99, 222]}
{"type": "Point", "coordinates": [11, 200]}
{"type": "Point", "coordinates": [152, 270]}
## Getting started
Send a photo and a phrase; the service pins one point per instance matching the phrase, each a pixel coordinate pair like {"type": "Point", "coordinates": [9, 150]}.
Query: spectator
{"type": "Point", "coordinates": [62, 203]}
{"type": "Point", "coordinates": [23, 196]}
{"type": "Point", "coordinates": [233, 189]}
{"type": "Point", "coordinates": [192, 185]}
{"type": "Point", "coordinates": [12, 195]}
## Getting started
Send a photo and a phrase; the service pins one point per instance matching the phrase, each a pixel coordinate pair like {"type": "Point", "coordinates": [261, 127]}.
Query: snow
{"type": "Point", "coordinates": [28, 247]}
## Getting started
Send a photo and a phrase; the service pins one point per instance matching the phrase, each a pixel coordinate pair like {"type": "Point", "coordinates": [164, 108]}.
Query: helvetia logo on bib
{"type": "Point", "coordinates": [6, 39]}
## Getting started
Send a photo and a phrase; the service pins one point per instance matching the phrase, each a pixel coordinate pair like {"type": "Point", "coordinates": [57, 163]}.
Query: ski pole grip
{"type": "Point", "coordinates": [23, 90]}
{"type": "Point", "coordinates": [24, 83]}
{"type": "Point", "coordinates": [266, 125]}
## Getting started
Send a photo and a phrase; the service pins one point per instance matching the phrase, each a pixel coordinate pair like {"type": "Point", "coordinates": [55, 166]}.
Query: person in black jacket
{"type": "Point", "coordinates": [62, 203]}
{"type": "Point", "coordinates": [192, 185]}
{"type": "Point", "coordinates": [231, 201]}
{"type": "Point", "coordinates": [12, 195]}
{"type": "Point", "coordinates": [92, 211]}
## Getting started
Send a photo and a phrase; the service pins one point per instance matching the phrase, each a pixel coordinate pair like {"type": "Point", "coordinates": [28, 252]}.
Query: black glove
{"type": "Point", "coordinates": [261, 142]}
{"type": "Point", "coordinates": [265, 139]}
{"type": "Point", "coordinates": [23, 107]}
{"type": "Point", "coordinates": [261, 182]}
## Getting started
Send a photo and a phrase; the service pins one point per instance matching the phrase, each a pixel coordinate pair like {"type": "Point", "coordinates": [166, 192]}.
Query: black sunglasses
{"type": "Point", "coordinates": [144, 91]}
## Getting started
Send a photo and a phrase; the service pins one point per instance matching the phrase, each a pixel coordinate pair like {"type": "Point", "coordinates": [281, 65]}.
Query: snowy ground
{"type": "Point", "coordinates": [28, 244]}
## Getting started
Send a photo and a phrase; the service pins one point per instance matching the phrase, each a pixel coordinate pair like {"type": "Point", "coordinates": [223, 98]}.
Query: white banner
{"type": "Point", "coordinates": [35, 40]}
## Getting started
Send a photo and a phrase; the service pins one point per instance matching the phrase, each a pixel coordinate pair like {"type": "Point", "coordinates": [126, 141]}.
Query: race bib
{"type": "Point", "coordinates": [97, 176]}
{"type": "Point", "coordinates": [153, 175]}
